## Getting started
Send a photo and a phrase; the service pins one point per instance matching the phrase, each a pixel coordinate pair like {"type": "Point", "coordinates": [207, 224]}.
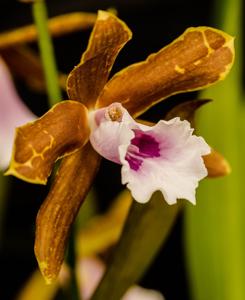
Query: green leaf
{"type": "Point", "coordinates": [215, 239]}
{"type": "Point", "coordinates": [145, 231]}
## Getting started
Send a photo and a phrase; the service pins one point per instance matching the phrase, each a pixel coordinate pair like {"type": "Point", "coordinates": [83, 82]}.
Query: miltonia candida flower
{"type": "Point", "coordinates": [13, 113]}
{"type": "Point", "coordinates": [200, 57]}
{"type": "Point", "coordinates": [165, 157]}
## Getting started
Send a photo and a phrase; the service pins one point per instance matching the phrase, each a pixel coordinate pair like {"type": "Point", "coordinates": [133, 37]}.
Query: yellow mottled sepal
{"type": "Point", "coordinates": [61, 131]}
{"type": "Point", "coordinates": [200, 57]}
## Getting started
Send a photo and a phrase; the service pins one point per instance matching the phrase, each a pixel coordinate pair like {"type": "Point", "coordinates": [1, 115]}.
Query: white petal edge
{"type": "Point", "coordinates": [178, 175]}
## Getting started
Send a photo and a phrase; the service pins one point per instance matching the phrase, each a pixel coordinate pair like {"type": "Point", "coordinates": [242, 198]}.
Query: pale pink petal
{"type": "Point", "coordinates": [13, 113]}
{"type": "Point", "coordinates": [139, 293]}
{"type": "Point", "coordinates": [173, 167]}
{"type": "Point", "coordinates": [91, 270]}
{"type": "Point", "coordinates": [107, 134]}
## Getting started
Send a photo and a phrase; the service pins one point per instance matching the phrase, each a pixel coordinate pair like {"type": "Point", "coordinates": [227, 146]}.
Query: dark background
{"type": "Point", "coordinates": [154, 24]}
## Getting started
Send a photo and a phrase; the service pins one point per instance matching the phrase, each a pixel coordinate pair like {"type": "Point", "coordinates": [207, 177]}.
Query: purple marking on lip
{"type": "Point", "coordinates": [142, 146]}
{"type": "Point", "coordinates": [134, 162]}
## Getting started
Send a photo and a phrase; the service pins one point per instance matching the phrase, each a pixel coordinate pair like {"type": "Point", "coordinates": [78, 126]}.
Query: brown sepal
{"type": "Point", "coordinates": [216, 164]}
{"type": "Point", "coordinates": [200, 57]}
{"type": "Point", "coordinates": [87, 79]}
{"type": "Point", "coordinates": [186, 110]}
{"type": "Point", "coordinates": [25, 64]}
{"type": "Point", "coordinates": [56, 215]}
{"type": "Point", "coordinates": [61, 131]}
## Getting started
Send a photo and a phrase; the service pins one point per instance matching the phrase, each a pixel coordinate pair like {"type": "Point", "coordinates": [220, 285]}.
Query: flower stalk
{"type": "Point", "coordinates": [147, 228]}
{"type": "Point", "coordinates": [39, 12]}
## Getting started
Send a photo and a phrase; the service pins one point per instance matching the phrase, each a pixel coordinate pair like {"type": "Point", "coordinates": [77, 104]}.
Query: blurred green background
{"type": "Point", "coordinates": [215, 237]}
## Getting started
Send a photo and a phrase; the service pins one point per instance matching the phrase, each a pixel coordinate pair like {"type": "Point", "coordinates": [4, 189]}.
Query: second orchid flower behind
{"type": "Point", "coordinates": [165, 157]}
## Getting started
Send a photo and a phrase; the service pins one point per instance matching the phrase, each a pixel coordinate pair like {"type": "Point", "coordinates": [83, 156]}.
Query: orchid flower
{"type": "Point", "coordinates": [90, 271]}
{"type": "Point", "coordinates": [166, 156]}
{"type": "Point", "coordinates": [13, 113]}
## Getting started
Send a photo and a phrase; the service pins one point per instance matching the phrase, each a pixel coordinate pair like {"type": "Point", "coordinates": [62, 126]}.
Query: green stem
{"type": "Point", "coordinates": [145, 231]}
{"type": "Point", "coordinates": [47, 52]}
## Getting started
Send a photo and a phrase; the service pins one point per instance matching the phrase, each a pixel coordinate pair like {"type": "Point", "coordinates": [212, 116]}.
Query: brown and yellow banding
{"type": "Point", "coordinates": [200, 57]}
{"type": "Point", "coordinates": [61, 131]}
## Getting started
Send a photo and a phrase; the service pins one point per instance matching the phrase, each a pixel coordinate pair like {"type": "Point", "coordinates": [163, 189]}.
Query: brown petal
{"type": "Point", "coordinates": [60, 208]}
{"type": "Point", "coordinates": [200, 57]}
{"type": "Point", "coordinates": [59, 25]}
{"type": "Point", "coordinates": [216, 164]}
{"type": "Point", "coordinates": [186, 110]}
{"type": "Point", "coordinates": [61, 131]}
{"type": "Point", "coordinates": [87, 79]}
